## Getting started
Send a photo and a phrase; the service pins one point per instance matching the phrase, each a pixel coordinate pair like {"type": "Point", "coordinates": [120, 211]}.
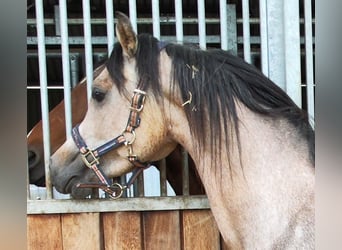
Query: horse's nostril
{"type": "Point", "coordinates": [31, 158]}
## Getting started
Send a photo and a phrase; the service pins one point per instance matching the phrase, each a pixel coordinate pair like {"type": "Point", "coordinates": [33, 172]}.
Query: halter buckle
{"type": "Point", "coordinates": [138, 110]}
{"type": "Point", "coordinates": [89, 158]}
{"type": "Point", "coordinates": [142, 101]}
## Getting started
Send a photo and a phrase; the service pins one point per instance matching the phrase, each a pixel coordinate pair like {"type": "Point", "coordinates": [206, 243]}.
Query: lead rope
{"type": "Point", "coordinates": [91, 157]}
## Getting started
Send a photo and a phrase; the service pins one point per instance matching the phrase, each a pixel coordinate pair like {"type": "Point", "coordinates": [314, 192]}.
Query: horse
{"type": "Point", "coordinates": [35, 146]}
{"type": "Point", "coordinates": [252, 146]}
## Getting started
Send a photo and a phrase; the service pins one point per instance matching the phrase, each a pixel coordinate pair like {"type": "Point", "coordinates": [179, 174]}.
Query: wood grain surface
{"type": "Point", "coordinates": [122, 230]}
{"type": "Point", "coordinates": [81, 231]}
{"type": "Point", "coordinates": [44, 232]}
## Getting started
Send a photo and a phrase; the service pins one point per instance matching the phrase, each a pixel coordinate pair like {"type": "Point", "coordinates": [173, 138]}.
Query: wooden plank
{"type": "Point", "coordinates": [81, 231]}
{"type": "Point", "coordinates": [122, 230]}
{"type": "Point", "coordinates": [122, 204]}
{"type": "Point", "coordinates": [161, 230]}
{"type": "Point", "coordinates": [44, 232]}
{"type": "Point", "coordinates": [200, 230]}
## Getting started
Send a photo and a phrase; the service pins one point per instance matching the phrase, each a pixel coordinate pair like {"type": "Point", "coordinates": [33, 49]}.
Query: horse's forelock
{"type": "Point", "coordinates": [115, 64]}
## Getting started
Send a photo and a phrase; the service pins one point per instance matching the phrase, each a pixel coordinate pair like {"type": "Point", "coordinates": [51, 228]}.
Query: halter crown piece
{"type": "Point", "coordinates": [91, 157]}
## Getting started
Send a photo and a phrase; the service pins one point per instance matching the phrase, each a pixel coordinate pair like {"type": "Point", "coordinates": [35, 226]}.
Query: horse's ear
{"type": "Point", "coordinates": [126, 35]}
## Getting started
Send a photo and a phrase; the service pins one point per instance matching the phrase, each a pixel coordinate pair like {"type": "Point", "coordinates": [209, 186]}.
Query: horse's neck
{"type": "Point", "coordinates": [259, 202]}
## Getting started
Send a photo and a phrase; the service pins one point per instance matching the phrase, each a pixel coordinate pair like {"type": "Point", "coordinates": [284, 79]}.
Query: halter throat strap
{"type": "Point", "coordinates": [91, 158]}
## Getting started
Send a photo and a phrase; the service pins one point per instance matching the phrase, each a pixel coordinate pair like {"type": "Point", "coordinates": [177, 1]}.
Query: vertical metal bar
{"type": "Point", "coordinates": [122, 180]}
{"type": "Point", "coordinates": [292, 51]}
{"type": "Point", "coordinates": [201, 24]}
{"type": "Point", "coordinates": [95, 193]}
{"type": "Point", "coordinates": [179, 21]}
{"type": "Point", "coordinates": [309, 61]}
{"type": "Point", "coordinates": [66, 66]}
{"type": "Point", "coordinates": [28, 193]}
{"type": "Point", "coordinates": [88, 45]}
{"type": "Point", "coordinates": [133, 14]}
{"type": "Point", "coordinates": [133, 190]}
{"type": "Point", "coordinates": [231, 25]}
{"type": "Point", "coordinates": [57, 20]}
{"type": "Point", "coordinates": [263, 36]}
{"type": "Point", "coordinates": [74, 69]}
{"type": "Point", "coordinates": [156, 18]}
{"type": "Point", "coordinates": [140, 184]}
{"type": "Point", "coordinates": [185, 172]}
{"type": "Point", "coordinates": [246, 31]}
{"type": "Point", "coordinates": [110, 25]}
{"type": "Point", "coordinates": [276, 42]}
{"type": "Point", "coordinates": [223, 24]}
{"type": "Point", "coordinates": [44, 93]}
{"type": "Point", "coordinates": [163, 185]}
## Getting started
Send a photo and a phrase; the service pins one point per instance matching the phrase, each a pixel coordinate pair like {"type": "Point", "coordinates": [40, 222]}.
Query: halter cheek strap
{"type": "Point", "coordinates": [91, 158]}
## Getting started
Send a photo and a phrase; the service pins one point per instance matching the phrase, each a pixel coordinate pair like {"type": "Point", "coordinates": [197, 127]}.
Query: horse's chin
{"type": "Point", "coordinates": [71, 187]}
{"type": "Point", "coordinates": [80, 193]}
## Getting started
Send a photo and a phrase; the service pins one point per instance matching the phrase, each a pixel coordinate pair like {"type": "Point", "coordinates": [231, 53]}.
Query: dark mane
{"type": "Point", "coordinates": [216, 79]}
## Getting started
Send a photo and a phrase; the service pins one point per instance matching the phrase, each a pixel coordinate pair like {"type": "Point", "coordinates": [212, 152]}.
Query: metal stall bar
{"type": "Point", "coordinates": [232, 31]}
{"type": "Point", "coordinates": [292, 51]}
{"type": "Point", "coordinates": [66, 66]}
{"type": "Point", "coordinates": [156, 19]}
{"type": "Point", "coordinates": [275, 42]}
{"type": "Point", "coordinates": [185, 172]}
{"type": "Point", "coordinates": [44, 94]}
{"type": "Point", "coordinates": [263, 36]}
{"type": "Point", "coordinates": [309, 61]}
{"type": "Point", "coordinates": [110, 25]}
{"type": "Point", "coordinates": [179, 21]}
{"type": "Point", "coordinates": [246, 31]}
{"type": "Point", "coordinates": [223, 25]}
{"type": "Point", "coordinates": [201, 24]}
{"type": "Point", "coordinates": [163, 179]}
{"type": "Point", "coordinates": [142, 20]}
{"type": "Point", "coordinates": [57, 19]}
{"type": "Point", "coordinates": [28, 191]}
{"type": "Point", "coordinates": [88, 45]}
{"type": "Point", "coordinates": [138, 186]}
{"type": "Point", "coordinates": [133, 14]}
{"type": "Point", "coordinates": [74, 69]}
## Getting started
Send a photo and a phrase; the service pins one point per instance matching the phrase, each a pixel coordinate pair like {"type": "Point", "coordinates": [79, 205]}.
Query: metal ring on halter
{"type": "Point", "coordinates": [129, 142]}
{"type": "Point", "coordinates": [116, 187]}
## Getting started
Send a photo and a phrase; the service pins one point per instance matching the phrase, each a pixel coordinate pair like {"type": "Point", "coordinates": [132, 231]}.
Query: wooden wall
{"type": "Point", "coordinates": [159, 230]}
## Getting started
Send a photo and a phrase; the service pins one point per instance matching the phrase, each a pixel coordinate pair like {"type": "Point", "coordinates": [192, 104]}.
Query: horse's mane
{"type": "Point", "coordinates": [216, 80]}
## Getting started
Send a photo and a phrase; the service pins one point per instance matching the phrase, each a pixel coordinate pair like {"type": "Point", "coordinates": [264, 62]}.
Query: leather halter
{"type": "Point", "coordinates": [91, 157]}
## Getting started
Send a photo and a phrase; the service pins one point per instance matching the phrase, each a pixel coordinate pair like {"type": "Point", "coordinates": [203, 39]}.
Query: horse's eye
{"type": "Point", "coordinates": [98, 94]}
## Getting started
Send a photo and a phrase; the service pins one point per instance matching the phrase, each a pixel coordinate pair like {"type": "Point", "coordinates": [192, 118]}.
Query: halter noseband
{"type": "Point", "coordinates": [91, 158]}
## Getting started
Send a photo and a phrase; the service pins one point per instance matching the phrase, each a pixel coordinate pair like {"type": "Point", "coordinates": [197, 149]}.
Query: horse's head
{"type": "Point", "coordinates": [35, 145]}
{"type": "Point", "coordinates": [124, 105]}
